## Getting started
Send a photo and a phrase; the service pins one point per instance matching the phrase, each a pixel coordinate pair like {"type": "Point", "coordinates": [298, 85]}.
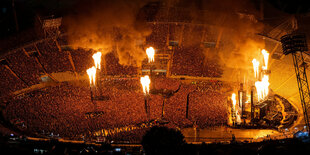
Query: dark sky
{"type": "Point", "coordinates": [26, 10]}
{"type": "Point", "coordinates": [291, 6]}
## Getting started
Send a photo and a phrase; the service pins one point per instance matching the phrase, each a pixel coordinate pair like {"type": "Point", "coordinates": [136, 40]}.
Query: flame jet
{"type": "Point", "coordinates": [97, 59]}
{"type": "Point", "coordinates": [233, 98]}
{"type": "Point", "coordinates": [266, 57]}
{"type": "Point", "coordinates": [255, 67]}
{"type": "Point", "coordinates": [262, 87]}
{"type": "Point", "coordinates": [92, 75]}
{"type": "Point", "coordinates": [150, 54]}
{"type": "Point", "coordinates": [145, 81]}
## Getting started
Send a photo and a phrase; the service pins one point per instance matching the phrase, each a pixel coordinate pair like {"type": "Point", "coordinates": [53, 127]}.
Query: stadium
{"type": "Point", "coordinates": [110, 73]}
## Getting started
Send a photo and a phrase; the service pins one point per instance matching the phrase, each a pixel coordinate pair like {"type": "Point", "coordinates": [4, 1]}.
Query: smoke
{"type": "Point", "coordinates": [117, 26]}
{"type": "Point", "coordinates": [241, 44]}
{"type": "Point", "coordinates": [108, 26]}
{"type": "Point", "coordinates": [235, 25]}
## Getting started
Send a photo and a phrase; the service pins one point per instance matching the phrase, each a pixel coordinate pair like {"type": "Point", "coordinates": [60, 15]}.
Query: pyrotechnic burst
{"type": "Point", "coordinates": [150, 54]}
{"type": "Point", "coordinates": [145, 81]}
{"type": "Point", "coordinates": [256, 68]}
{"type": "Point", "coordinates": [262, 87]}
{"type": "Point", "coordinates": [92, 75]}
{"type": "Point", "coordinates": [233, 98]}
{"type": "Point", "coordinates": [97, 59]}
{"type": "Point", "coordinates": [266, 57]}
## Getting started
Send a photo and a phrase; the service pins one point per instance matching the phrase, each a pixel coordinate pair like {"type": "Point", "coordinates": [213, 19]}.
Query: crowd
{"type": "Point", "coordinates": [82, 59]}
{"type": "Point", "coordinates": [8, 84]}
{"type": "Point", "coordinates": [191, 61]}
{"type": "Point", "coordinates": [187, 60]}
{"type": "Point", "coordinates": [52, 58]}
{"type": "Point", "coordinates": [158, 38]}
{"type": "Point", "coordinates": [63, 109]}
{"type": "Point", "coordinates": [25, 67]}
{"type": "Point", "coordinates": [114, 68]}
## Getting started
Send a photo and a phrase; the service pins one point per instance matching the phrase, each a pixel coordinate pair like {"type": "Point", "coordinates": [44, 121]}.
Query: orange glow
{"type": "Point", "coordinates": [92, 75]}
{"type": "Point", "coordinates": [262, 87]}
{"type": "Point", "coordinates": [97, 59]}
{"type": "Point", "coordinates": [234, 102]}
{"type": "Point", "coordinates": [233, 98]}
{"type": "Point", "coordinates": [255, 67]}
{"type": "Point", "coordinates": [266, 57]}
{"type": "Point", "coordinates": [145, 81]}
{"type": "Point", "coordinates": [150, 54]}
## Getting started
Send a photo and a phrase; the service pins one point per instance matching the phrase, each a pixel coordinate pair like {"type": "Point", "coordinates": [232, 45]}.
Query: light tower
{"type": "Point", "coordinates": [296, 44]}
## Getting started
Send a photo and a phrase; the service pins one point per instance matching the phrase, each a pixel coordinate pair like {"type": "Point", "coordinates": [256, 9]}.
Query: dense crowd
{"type": "Point", "coordinates": [52, 58]}
{"type": "Point", "coordinates": [114, 68]}
{"type": "Point", "coordinates": [187, 60]}
{"type": "Point", "coordinates": [82, 59]}
{"type": "Point", "coordinates": [8, 83]}
{"type": "Point", "coordinates": [25, 67]}
{"type": "Point", "coordinates": [61, 109]}
{"type": "Point", "coordinates": [191, 61]}
{"type": "Point", "coordinates": [158, 38]}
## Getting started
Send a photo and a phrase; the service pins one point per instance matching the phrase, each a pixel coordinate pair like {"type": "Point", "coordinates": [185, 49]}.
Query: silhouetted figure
{"type": "Point", "coordinates": [163, 140]}
{"type": "Point", "coordinates": [233, 138]}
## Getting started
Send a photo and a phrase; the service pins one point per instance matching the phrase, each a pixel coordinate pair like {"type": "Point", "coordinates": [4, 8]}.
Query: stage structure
{"type": "Point", "coordinates": [242, 99]}
{"type": "Point", "coordinates": [252, 104]}
{"type": "Point", "coordinates": [296, 44]}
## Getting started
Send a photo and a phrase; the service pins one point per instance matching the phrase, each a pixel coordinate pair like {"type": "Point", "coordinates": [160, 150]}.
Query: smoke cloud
{"type": "Point", "coordinates": [238, 23]}
{"type": "Point", "coordinates": [108, 26]}
{"type": "Point", "coordinates": [115, 26]}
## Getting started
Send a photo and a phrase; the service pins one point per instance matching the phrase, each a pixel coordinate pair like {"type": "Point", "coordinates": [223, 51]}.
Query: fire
{"type": "Point", "coordinates": [233, 98]}
{"type": "Point", "coordinates": [97, 59]}
{"type": "Point", "coordinates": [150, 54]}
{"type": "Point", "coordinates": [145, 81]}
{"type": "Point", "coordinates": [92, 75]}
{"type": "Point", "coordinates": [262, 87]}
{"type": "Point", "coordinates": [255, 67]}
{"type": "Point", "coordinates": [266, 57]}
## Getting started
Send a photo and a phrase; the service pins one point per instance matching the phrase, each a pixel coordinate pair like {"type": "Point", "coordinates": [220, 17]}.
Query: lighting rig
{"type": "Point", "coordinates": [296, 44]}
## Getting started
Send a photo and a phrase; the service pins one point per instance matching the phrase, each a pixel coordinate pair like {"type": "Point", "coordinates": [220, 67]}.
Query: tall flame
{"type": "Point", "coordinates": [92, 75]}
{"type": "Point", "coordinates": [145, 81]}
{"type": "Point", "coordinates": [255, 67]}
{"type": "Point", "coordinates": [233, 98]}
{"type": "Point", "coordinates": [97, 59]}
{"type": "Point", "coordinates": [266, 57]}
{"type": "Point", "coordinates": [150, 54]}
{"type": "Point", "coordinates": [262, 87]}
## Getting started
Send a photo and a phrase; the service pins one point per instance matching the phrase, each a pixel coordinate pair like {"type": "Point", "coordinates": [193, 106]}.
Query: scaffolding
{"type": "Point", "coordinates": [296, 44]}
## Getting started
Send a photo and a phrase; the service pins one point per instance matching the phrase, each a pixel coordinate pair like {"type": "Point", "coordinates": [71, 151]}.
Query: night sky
{"type": "Point", "coordinates": [27, 11]}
